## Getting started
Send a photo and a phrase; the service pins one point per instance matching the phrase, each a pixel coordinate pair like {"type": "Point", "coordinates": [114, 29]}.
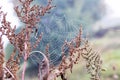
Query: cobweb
{"type": "Point", "coordinates": [56, 30]}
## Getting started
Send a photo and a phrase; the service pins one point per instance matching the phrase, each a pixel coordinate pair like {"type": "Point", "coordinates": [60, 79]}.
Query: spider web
{"type": "Point", "coordinates": [56, 30]}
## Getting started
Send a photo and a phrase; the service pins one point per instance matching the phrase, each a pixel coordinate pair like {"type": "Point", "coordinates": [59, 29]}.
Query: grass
{"type": "Point", "coordinates": [79, 72]}
{"type": "Point", "coordinates": [111, 63]}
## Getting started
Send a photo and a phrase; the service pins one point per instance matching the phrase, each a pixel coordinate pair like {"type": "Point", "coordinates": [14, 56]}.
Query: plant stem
{"type": "Point", "coordinates": [25, 61]}
{"type": "Point", "coordinates": [24, 69]}
{"type": "Point", "coordinates": [9, 72]}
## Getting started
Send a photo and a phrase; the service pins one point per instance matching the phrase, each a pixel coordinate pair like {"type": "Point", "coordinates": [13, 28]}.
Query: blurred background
{"type": "Point", "coordinates": [99, 18]}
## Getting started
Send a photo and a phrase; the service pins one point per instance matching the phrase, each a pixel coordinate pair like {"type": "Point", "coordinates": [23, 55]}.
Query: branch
{"type": "Point", "coordinates": [9, 72]}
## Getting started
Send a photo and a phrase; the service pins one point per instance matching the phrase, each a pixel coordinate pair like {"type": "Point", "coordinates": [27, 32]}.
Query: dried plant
{"type": "Point", "coordinates": [30, 15]}
{"type": "Point", "coordinates": [93, 61]}
{"type": "Point", "coordinates": [13, 66]}
{"type": "Point", "coordinates": [1, 59]}
{"type": "Point", "coordinates": [78, 47]}
{"type": "Point", "coordinates": [1, 52]}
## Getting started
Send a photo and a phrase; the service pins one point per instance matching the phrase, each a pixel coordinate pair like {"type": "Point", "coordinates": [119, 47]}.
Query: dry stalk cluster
{"type": "Point", "coordinates": [78, 47]}
{"type": "Point", "coordinates": [30, 16]}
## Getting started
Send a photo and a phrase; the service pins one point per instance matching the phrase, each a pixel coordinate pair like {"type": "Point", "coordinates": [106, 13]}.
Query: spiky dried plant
{"type": "Point", "coordinates": [78, 47]}
{"type": "Point", "coordinates": [30, 15]}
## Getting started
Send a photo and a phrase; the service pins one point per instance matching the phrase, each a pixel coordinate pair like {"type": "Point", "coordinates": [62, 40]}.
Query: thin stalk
{"type": "Point", "coordinates": [25, 61]}
{"type": "Point", "coordinates": [9, 72]}
{"type": "Point", "coordinates": [24, 69]}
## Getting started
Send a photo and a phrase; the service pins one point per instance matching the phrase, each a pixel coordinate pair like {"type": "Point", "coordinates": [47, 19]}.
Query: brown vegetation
{"type": "Point", "coordinates": [30, 16]}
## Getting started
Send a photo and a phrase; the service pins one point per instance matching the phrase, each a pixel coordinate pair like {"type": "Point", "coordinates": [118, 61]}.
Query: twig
{"type": "Point", "coordinates": [9, 72]}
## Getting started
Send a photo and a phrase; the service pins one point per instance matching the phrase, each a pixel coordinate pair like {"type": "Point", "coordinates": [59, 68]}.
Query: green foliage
{"type": "Point", "coordinates": [110, 62]}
